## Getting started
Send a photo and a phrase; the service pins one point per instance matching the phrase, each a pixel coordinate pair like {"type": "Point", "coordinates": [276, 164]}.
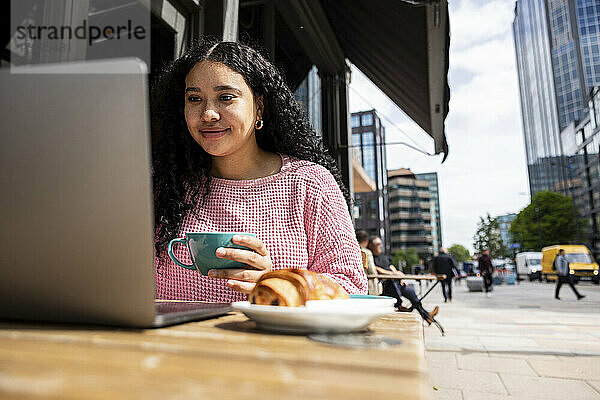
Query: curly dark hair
{"type": "Point", "coordinates": [181, 167]}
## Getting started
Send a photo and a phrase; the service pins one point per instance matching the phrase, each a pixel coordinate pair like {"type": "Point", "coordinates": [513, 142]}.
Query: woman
{"type": "Point", "coordinates": [234, 152]}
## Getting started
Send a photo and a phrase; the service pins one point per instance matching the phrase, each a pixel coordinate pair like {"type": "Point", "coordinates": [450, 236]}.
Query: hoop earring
{"type": "Point", "coordinates": [258, 125]}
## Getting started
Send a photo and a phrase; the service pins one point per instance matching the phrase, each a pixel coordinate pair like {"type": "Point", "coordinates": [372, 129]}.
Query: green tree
{"type": "Point", "coordinates": [488, 237]}
{"type": "Point", "coordinates": [459, 252]}
{"type": "Point", "coordinates": [409, 258]}
{"type": "Point", "coordinates": [548, 220]}
{"type": "Point", "coordinates": [399, 256]}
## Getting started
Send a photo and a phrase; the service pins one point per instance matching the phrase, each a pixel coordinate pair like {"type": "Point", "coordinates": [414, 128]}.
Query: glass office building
{"type": "Point", "coordinates": [558, 62]}
{"type": "Point", "coordinates": [436, 219]}
{"type": "Point", "coordinates": [586, 162]}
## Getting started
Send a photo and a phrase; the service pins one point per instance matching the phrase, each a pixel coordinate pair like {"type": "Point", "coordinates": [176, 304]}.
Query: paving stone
{"type": "Point", "coordinates": [470, 395]}
{"type": "Point", "coordinates": [506, 348]}
{"type": "Point", "coordinates": [548, 388]}
{"type": "Point", "coordinates": [588, 344]}
{"type": "Point", "coordinates": [524, 355]}
{"type": "Point", "coordinates": [441, 357]}
{"type": "Point", "coordinates": [475, 362]}
{"type": "Point", "coordinates": [454, 343]}
{"type": "Point", "coordinates": [447, 394]}
{"type": "Point", "coordinates": [448, 378]}
{"type": "Point", "coordinates": [595, 384]}
{"type": "Point", "coordinates": [582, 368]}
{"type": "Point", "coordinates": [508, 341]}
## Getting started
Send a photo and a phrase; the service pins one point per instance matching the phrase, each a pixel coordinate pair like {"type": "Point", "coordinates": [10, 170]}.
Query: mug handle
{"type": "Point", "coordinates": [175, 260]}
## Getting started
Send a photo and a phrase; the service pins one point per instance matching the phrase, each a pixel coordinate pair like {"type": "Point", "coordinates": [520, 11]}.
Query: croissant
{"type": "Point", "coordinates": [293, 287]}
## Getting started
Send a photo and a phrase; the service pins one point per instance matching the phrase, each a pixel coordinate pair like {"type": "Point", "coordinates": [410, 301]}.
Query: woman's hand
{"type": "Point", "coordinates": [243, 280]}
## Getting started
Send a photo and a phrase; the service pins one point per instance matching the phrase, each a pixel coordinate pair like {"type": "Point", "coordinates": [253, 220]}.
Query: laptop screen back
{"type": "Point", "coordinates": [76, 242]}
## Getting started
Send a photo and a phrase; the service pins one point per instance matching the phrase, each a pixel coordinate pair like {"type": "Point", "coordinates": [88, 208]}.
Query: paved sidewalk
{"type": "Point", "coordinates": [518, 344]}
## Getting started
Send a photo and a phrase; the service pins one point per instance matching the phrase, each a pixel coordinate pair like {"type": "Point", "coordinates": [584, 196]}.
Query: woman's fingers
{"type": "Point", "coordinates": [243, 287]}
{"type": "Point", "coordinates": [248, 257]}
{"type": "Point", "coordinates": [245, 275]}
{"type": "Point", "coordinates": [252, 242]}
{"type": "Point", "coordinates": [243, 280]}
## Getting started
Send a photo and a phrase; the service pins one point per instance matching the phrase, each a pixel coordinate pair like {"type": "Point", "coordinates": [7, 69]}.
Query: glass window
{"type": "Point", "coordinates": [355, 121]}
{"type": "Point", "coordinates": [578, 137]}
{"type": "Point", "coordinates": [369, 162]}
{"type": "Point", "coordinates": [578, 258]}
{"type": "Point", "coordinates": [372, 214]}
{"type": "Point", "coordinates": [367, 119]}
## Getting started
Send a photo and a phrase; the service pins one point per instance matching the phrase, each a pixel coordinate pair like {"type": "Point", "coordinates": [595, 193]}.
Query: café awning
{"type": "Point", "coordinates": [402, 46]}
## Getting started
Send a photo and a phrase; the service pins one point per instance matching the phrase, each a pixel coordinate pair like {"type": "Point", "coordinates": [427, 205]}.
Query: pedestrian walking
{"type": "Point", "coordinates": [443, 264]}
{"type": "Point", "coordinates": [486, 269]}
{"type": "Point", "coordinates": [561, 264]}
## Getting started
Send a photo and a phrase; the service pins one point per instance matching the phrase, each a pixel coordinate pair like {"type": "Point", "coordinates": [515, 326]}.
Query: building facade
{"type": "Point", "coordinates": [504, 222]}
{"type": "Point", "coordinates": [368, 151]}
{"type": "Point", "coordinates": [410, 212]}
{"type": "Point", "coordinates": [436, 218]}
{"type": "Point", "coordinates": [558, 62]}
{"type": "Point", "coordinates": [585, 161]}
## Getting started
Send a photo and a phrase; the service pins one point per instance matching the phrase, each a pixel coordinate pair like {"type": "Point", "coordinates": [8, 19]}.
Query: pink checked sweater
{"type": "Point", "coordinates": [299, 214]}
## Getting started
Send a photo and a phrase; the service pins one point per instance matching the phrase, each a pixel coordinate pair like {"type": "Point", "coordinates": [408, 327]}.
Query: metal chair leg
{"type": "Point", "coordinates": [439, 326]}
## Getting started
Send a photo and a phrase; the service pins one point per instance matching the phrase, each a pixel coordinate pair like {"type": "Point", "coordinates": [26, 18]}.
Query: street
{"type": "Point", "coordinates": [520, 343]}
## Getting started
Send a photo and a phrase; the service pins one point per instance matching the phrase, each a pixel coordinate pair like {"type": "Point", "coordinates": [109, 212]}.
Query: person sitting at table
{"type": "Point", "coordinates": [374, 286]}
{"type": "Point", "coordinates": [234, 152]}
{"type": "Point", "coordinates": [395, 287]}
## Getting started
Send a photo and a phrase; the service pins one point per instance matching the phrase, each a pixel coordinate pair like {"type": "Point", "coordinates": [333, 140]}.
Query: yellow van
{"type": "Point", "coordinates": [581, 262]}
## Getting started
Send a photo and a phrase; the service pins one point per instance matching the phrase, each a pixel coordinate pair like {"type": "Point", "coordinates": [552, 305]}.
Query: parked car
{"type": "Point", "coordinates": [529, 264]}
{"type": "Point", "coordinates": [581, 262]}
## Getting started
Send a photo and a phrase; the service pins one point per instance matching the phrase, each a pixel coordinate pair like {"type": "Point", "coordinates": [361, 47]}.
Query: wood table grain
{"type": "Point", "coordinates": [221, 358]}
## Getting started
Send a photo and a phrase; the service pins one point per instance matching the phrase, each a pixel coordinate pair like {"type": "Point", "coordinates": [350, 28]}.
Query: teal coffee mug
{"type": "Point", "coordinates": [202, 247]}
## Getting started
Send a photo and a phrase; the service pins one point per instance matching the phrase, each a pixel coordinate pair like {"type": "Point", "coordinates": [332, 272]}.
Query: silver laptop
{"type": "Point", "coordinates": [76, 237]}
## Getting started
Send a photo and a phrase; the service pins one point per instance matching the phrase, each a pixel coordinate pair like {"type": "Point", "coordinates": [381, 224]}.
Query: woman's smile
{"type": "Point", "coordinates": [214, 133]}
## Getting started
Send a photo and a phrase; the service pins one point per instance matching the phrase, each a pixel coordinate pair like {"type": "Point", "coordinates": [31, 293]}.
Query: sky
{"type": "Point", "coordinates": [485, 171]}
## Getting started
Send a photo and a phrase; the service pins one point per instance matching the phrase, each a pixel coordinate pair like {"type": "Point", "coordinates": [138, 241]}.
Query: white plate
{"type": "Point", "coordinates": [320, 316]}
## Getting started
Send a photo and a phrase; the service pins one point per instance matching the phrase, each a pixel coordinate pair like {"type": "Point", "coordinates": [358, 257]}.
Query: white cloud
{"type": "Point", "coordinates": [473, 21]}
{"type": "Point", "coordinates": [485, 170]}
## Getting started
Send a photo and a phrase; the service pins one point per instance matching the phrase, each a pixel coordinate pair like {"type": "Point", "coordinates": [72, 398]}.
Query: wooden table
{"type": "Point", "coordinates": [222, 358]}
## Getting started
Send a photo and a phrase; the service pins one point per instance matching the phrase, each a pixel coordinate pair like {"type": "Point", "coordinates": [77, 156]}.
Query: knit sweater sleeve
{"type": "Point", "coordinates": [332, 246]}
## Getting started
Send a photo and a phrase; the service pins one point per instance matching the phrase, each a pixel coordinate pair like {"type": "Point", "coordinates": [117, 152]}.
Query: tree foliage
{"type": "Point", "coordinates": [548, 220]}
{"type": "Point", "coordinates": [406, 258]}
{"type": "Point", "coordinates": [459, 252]}
{"type": "Point", "coordinates": [488, 237]}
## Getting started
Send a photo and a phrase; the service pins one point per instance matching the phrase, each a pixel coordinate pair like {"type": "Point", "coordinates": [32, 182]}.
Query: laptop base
{"type": "Point", "coordinates": [176, 312]}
